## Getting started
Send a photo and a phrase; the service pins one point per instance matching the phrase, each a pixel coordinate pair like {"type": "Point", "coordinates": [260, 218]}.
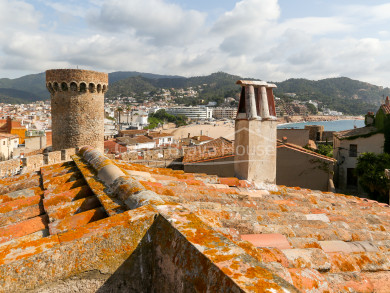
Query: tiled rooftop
{"type": "Point", "coordinates": [91, 214]}
{"type": "Point", "coordinates": [216, 148]}
{"type": "Point", "coordinates": [356, 132]}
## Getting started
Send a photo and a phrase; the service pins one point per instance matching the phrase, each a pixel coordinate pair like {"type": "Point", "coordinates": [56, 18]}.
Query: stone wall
{"type": "Point", "coordinates": [133, 156]}
{"type": "Point", "coordinates": [67, 153]}
{"type": "Point", "coordinates": [77, 106]}
{"type": "Point", "coordinates": [53, 158]}
{"type": "Point", "coordinates": [160, 155]}
{"type": "Point", "coordinates": [9, 168]}
{"type": "Point", "coordinates": [35, 162]}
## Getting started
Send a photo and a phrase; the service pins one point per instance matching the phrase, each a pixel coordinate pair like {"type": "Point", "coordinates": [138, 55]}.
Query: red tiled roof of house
{"type": "Point", "coordinates": [111, 147]}
{"type": "Point", "coordinates": [385, 108]}
{"type": "Point", "coordinates": [157, 134]}
{"type": "Point", "coordinates": [355, 132]}
{"type": "Point", "coordinates": [216, 148]}
{"type": "Point", "coordinates": [97, 215]}
{"type": "Point", "coordinates": [143, 139]}
{"type": "Point", "coordinates": [8, 135]}
{"type": "Point", "coordinates": [202, 138]}
{"type": "Point", "coordinates": [298, 148]}
{"type": "Point", "coordinates": [134, 140]}
{"type": "Point", "coordinates": [222, 147]}
{"type": "Point", "coordinates": [133, 132]}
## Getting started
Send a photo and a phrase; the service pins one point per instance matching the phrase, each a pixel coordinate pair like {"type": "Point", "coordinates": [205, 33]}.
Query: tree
{"type": "Point", "coordinates": [312, 109]}
{"type": "Point", "coordinates": [370, 170]}
{"type": "Point", "coordinates": [325, 149]}
{"type": "Point", "coordinates": [119, 114]}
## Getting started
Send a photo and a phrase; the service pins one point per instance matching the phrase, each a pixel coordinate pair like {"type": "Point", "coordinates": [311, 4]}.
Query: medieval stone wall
{"type": "Point", "coordinates": [9, 168]}
{"type": "Point", "coordinates": [77, 103]}
{"type": "Point", "coordinates": [35, 162]}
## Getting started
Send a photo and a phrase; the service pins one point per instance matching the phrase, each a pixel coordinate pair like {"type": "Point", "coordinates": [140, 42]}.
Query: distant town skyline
{"type": "Point", "coordinates": [271, 40]}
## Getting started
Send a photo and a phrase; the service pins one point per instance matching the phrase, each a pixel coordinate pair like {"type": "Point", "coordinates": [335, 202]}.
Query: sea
{"type": "Point", "coordinates": [336, 125]}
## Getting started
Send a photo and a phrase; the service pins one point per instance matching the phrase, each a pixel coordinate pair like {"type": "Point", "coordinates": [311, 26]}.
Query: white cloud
{"type": "Point", "coordinates": [161, 22]}
{"type": "Point", "coordinates": [317, 26]}
{"type": "Point", "coordinates": [251, 40]}
{"type": "Point", "coordinates": [18, 15]}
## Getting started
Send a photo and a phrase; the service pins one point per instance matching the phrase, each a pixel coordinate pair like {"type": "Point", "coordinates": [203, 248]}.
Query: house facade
{"type": "Point", "coordinates": [348, 145]}
{"type": "Point", "coordinates": [8, 143]}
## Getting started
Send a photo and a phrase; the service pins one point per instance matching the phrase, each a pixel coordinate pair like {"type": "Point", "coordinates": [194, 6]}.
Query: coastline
{"type": "Point", "coordinates": [297, 119]}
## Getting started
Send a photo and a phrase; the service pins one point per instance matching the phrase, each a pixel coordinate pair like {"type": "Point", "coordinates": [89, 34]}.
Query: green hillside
{"type": "Point", "coordinates": [341, 94]}
{"type": "Point", "coordinates": [33, 85]}
{"type": "Point", "coordinates": [119, 75]}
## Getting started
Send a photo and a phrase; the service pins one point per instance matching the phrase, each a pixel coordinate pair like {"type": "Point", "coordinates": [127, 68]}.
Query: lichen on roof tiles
{"type": "Point", "coordinates": [311, 241]}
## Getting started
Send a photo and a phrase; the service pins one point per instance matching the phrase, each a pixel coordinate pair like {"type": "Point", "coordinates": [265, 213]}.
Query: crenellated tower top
{"type": "Point", "coordinates": [76, 80]}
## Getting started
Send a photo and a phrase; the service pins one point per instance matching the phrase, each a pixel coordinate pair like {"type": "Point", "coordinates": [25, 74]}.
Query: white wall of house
{"type": "Point", "coordinates": [146, 145]}
{"type": "Point", "coordinates": [347, 158]}
{"type": "Point", "coordinates": [7, 146]}
{"type": "Point", "coordinates": [166, 140]}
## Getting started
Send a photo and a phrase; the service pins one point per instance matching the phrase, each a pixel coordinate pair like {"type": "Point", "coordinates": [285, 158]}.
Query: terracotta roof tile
{"type": "Point", "coordinates": [304, 240]}
{"type": "Point", "coordinates": [216, 148]}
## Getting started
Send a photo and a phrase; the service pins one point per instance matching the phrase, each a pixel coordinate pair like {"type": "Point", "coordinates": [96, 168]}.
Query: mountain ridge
{"type": "Point", "coordinates": [340, 93]}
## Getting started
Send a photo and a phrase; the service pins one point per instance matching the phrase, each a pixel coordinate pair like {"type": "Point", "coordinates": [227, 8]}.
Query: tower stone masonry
{"type": "Point", "coordinates": [77, 107]}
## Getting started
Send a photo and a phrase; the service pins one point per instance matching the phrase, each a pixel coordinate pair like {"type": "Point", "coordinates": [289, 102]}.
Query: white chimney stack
{"type": "Point", "coordinates": [255, 133]}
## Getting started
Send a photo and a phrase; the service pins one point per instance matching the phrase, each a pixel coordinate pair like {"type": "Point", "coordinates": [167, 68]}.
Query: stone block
{"type": "Point", "coordinates": [33, 163]}
{"type": "Point", "coordinates": [9, 168]}
{"type": "Point", "coordinates": [67, 153]}
{"type": "Point", "coordinates": [53, 157]}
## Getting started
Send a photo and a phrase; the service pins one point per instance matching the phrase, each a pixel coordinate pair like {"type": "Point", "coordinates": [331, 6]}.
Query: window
{"type": "Point", "coordinates": [353, 150]}
{"type": "Point", "coordinates": [3, 142]}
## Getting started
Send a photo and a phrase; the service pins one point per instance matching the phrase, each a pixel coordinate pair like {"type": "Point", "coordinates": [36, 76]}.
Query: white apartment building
{"type": "Point", "coordinates": [220, 113]}
{"type": "Point", "coordinates": [8, 143]}
{"type": "Point", "coordinates": [191, 112]}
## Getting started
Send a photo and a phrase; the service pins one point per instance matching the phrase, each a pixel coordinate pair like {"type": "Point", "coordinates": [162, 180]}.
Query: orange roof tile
{"type": "Point", "coordinates": [289, 239]}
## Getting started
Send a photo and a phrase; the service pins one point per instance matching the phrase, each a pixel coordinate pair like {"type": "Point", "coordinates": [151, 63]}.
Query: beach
{"type": "Point", "coordinates": [226, 128]}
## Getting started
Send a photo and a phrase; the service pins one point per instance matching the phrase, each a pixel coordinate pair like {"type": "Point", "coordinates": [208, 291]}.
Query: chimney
{"type": "Point", "coordinates": [255, 133]}
{"type": "Point", "coordinates": [189, 134]}
{"type": "Point", "coordinates": [9, 124]}
{"type": "Point", "coordinates": [201, 132]}
{"type": "Point", "coordinates": [387, 102]}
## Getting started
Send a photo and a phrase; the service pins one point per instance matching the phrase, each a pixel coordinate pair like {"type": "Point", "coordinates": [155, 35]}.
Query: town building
{"type": "Point", "coordinates": [347, 146]}
{"type": "Point", "coordinates": [296, 165]}
{"type": "Point", "coordinates": [12, 126]}
{"type": "Point", "coordinates": [137, 142]}
{"type": "Point", "coordinates": [8, 144]}
{"type": "Point", "coordinates": [224, 113]}
{"type": "Point", "coordinates": [161, 139]}
{"type": "Point", "coordinates": [195, 113]}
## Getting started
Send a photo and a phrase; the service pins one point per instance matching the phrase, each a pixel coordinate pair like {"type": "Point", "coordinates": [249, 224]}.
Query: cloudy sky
{"type": "Point", "coordinates": [266, 39]}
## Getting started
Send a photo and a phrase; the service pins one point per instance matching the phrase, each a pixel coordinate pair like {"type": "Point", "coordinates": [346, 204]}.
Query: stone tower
{"type": "Point", "coordinates": [77, 107]}
{"type": "Point", "coordinates": [255, 133]}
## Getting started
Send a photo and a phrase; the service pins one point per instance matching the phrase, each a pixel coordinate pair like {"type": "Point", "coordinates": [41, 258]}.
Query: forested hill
{"type": "Point", "coordinates": [216, 85]}
{"type": "Point", "coordinates": [341, 94]}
